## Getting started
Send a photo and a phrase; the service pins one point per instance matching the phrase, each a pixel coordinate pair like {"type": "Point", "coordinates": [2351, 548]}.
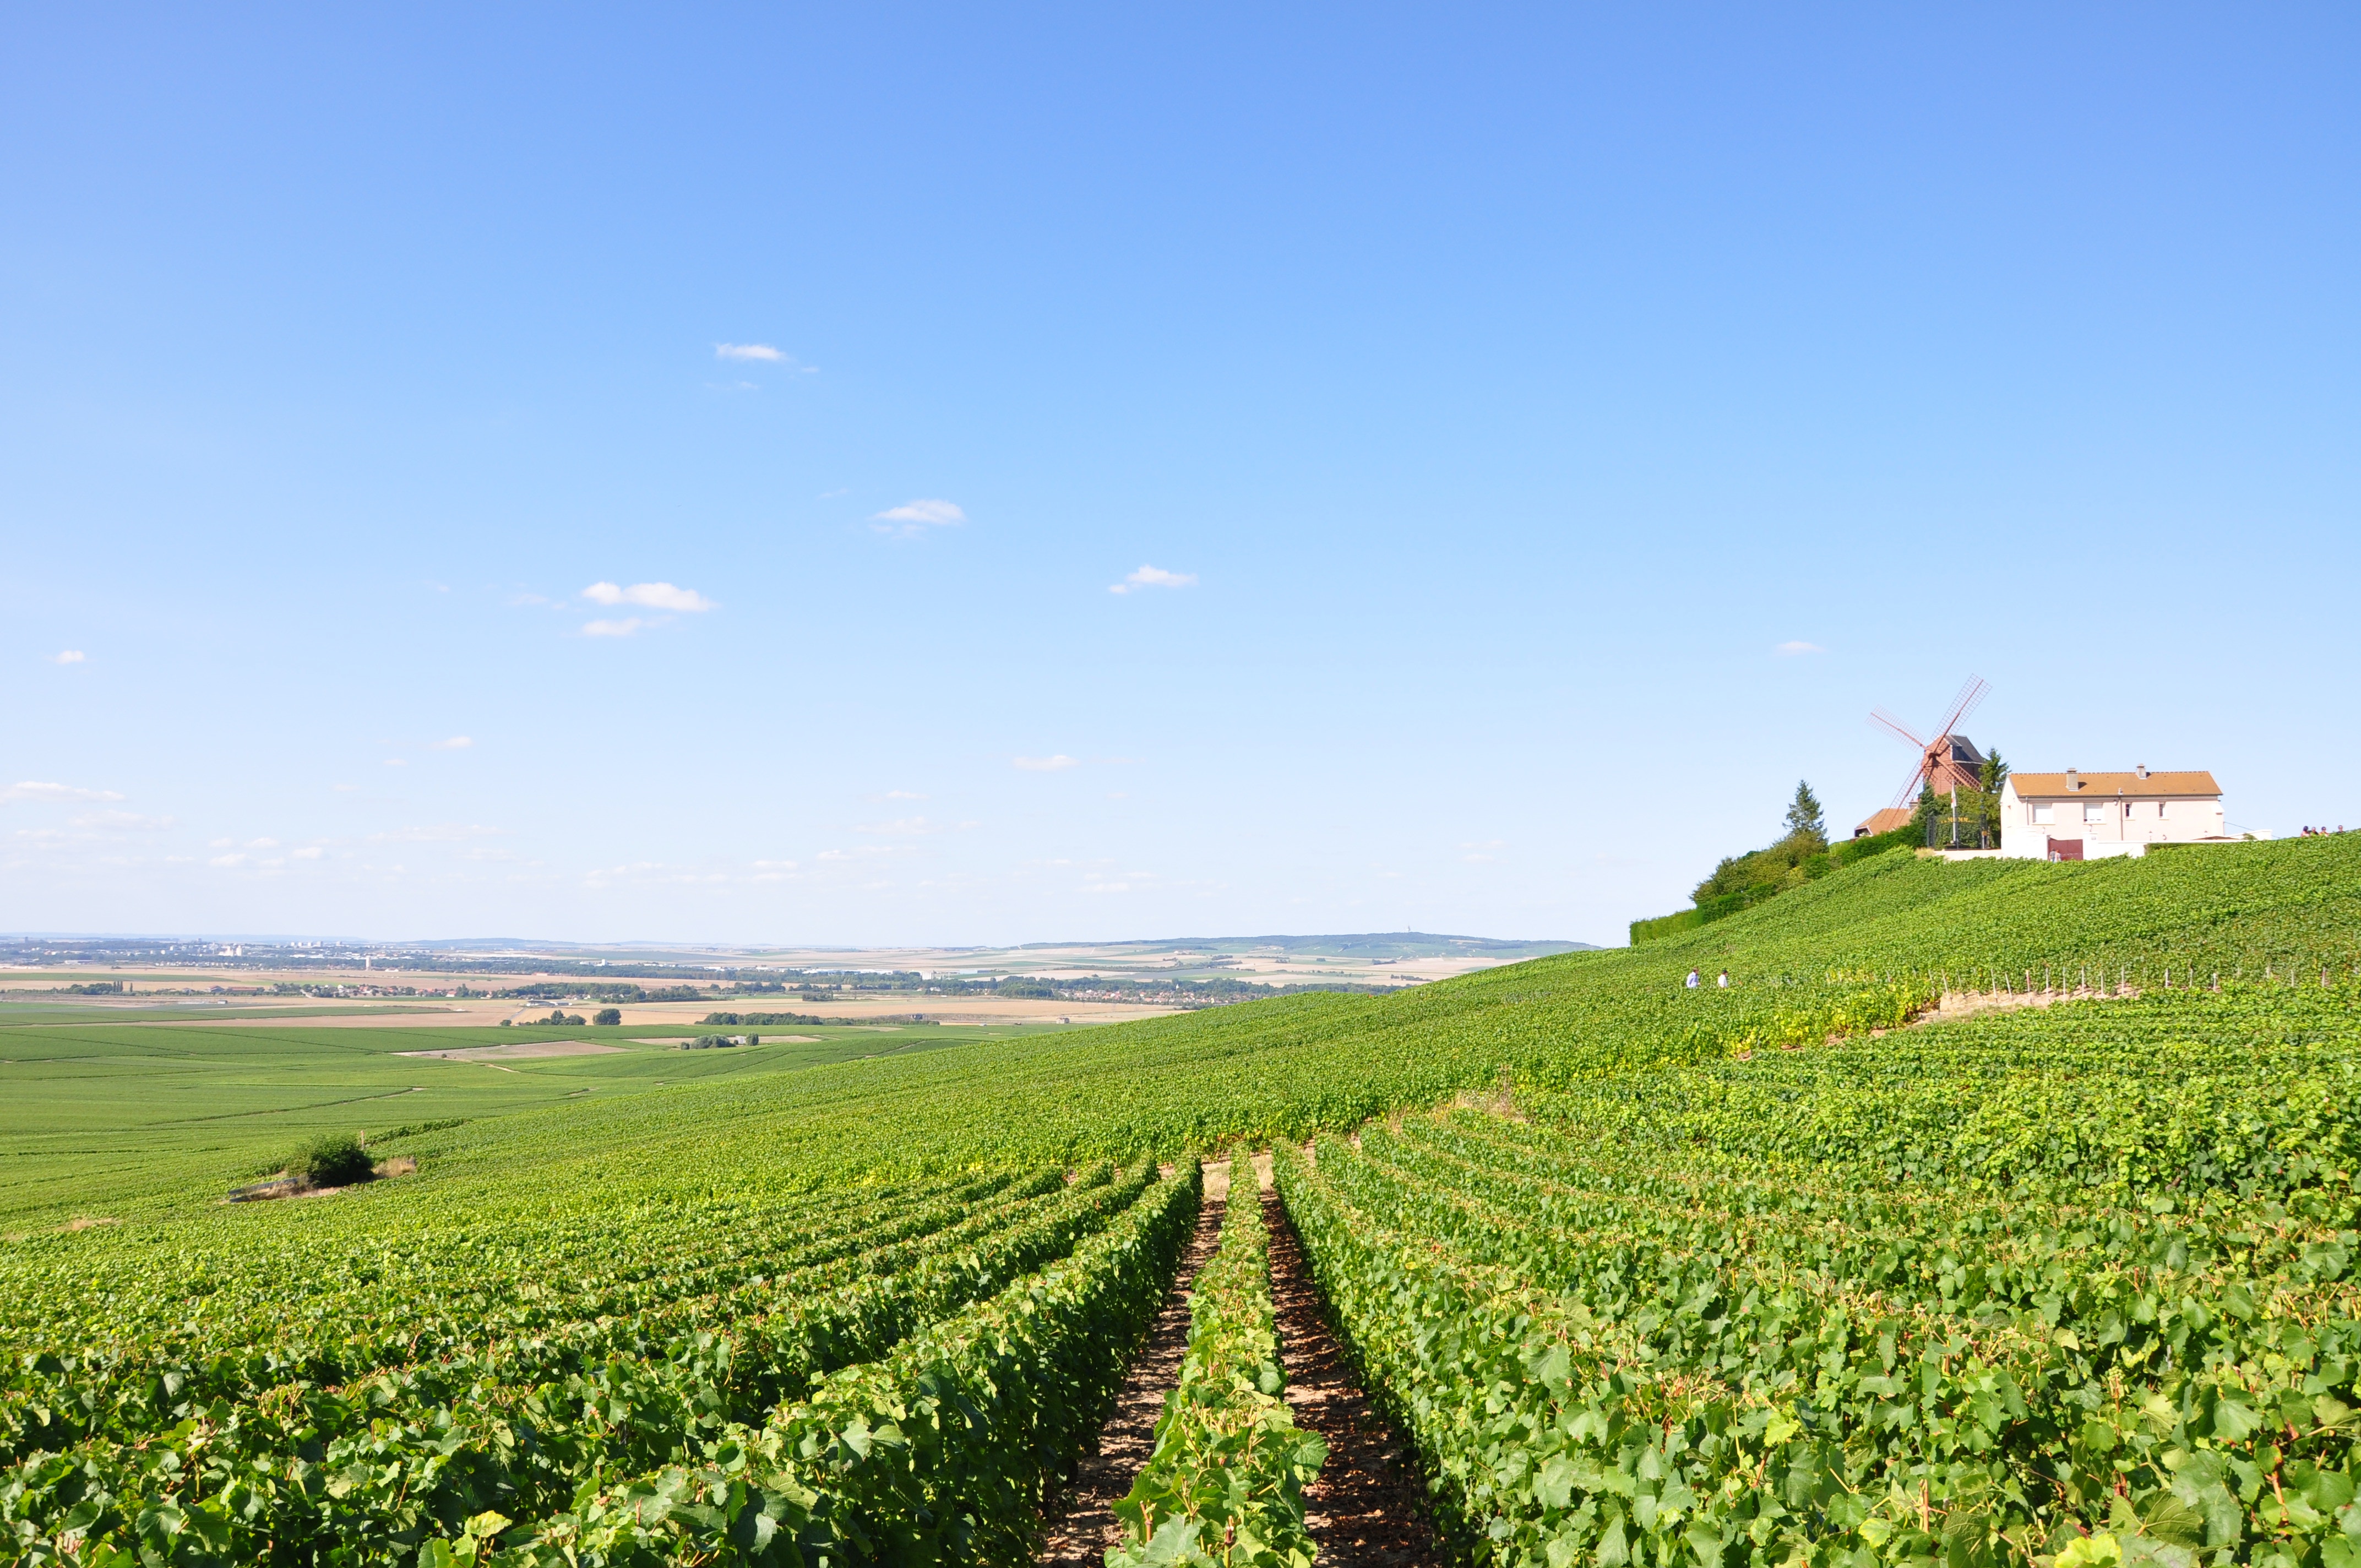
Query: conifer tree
{"type": "Point", "coordinates": [1804, 814]}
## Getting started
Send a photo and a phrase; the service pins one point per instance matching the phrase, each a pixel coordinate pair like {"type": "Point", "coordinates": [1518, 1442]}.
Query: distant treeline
{"type": "Point", "coordinates": [545, 990]}
{"type": "Point", "coordinates": [764, 1018]}
{"type": "Point", "coordinates": [1205, 993]}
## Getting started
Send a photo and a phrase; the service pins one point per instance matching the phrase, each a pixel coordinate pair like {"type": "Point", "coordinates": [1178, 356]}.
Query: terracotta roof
{"type": "Point", "coordinates": [1887, 820]}
{"type": "Point", "coordinates": [2156, 783]}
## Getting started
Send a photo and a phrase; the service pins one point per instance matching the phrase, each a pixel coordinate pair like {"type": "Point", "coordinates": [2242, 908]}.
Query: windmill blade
{"type": "Point", "coordinates": [1973, 692]}
{"type": "Point", "coordinates": [1909, 793]}
{"type": "Point", "coordinates": [1885, 720]}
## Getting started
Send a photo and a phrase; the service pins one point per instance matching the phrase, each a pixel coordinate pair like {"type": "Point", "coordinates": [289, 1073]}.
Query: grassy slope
{"type": "Point", "coordinates": [1288, 1067]}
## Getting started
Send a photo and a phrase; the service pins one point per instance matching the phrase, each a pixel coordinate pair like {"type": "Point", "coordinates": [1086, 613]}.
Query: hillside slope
{"type": "Point", "coordinates": [1855, 948]}
{"type": "Point", "coordinates": [1920, 1287]}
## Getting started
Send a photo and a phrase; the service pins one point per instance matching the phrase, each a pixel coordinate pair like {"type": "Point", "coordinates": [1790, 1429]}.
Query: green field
{"type": "Point", "coordinates": [1646, 1274]}
{"type": "Point", "coordinates": [121, 1118]}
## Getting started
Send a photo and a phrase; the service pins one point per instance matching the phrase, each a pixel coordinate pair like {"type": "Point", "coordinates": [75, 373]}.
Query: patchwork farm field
{"type": "Point", "coordinates": [1783, 1274]}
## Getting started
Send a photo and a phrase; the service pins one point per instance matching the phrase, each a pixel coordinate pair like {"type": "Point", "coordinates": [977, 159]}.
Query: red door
{"type": "Point", "coordinates": [2065, 849]}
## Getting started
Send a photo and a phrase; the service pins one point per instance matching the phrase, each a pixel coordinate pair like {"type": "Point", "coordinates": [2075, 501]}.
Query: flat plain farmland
{"type": "Point", "coordinates": [111, 1120]}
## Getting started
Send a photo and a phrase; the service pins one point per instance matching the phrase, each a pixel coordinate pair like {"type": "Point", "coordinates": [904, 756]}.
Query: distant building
{"type": "Point", "coordinates": [2076, 816]}
{"type": "Point", "coordinates": [1885, 821]}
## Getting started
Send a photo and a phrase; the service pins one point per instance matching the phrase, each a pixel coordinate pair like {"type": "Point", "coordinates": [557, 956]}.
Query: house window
{"type": "Point", "coordinates": [2095, 812]}
{"type": "Point", "coordinates": [2045, 813]}
{"type": "Point", "coordinates": [2160, 808]}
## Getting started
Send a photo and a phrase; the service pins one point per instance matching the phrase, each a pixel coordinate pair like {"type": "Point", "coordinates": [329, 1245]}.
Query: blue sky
{"type": "Point", "coordinates": [1493, 395]}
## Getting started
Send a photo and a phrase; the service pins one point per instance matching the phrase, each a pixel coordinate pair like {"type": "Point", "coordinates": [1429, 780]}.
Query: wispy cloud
{"type": "Point", "coordinates": [613, 628]}
{"type": "Point", "coordinates": [455, 743]}
{"type": "Point", "coordinates": [912, 517]}
{"type": "Point", "coordinates": [1153, 578]}
{"type": "Point", "coordinates": [33, 790]}
{"type": "Point", "coordinates": [762, 351]}
{"type": "Point", "coordinates": [1789, 650]}
{"type": "Point", "coordinates": [900, 827]}
{"type": "Point", "coordinates": [1047, 765]}
{"type": "Point", "coordinates": [650, 596]}
{"type": "Point", "coordinates": [69, 657]}
{"type": "Point", "coordinates": [437, 833]}
{"type": "Point", "coordinates": [309, 853]}
{"type": "Point", "coordinates": [121, 822]}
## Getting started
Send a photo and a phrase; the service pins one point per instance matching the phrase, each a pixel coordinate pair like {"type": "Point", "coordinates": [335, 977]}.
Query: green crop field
{"type": "Point", "coordinates": [1781, 1273]}
{"type": "Point", "coordinates": [114, 1119]}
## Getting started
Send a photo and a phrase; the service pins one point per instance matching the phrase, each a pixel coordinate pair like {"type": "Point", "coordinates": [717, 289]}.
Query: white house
{"type": "Point", "coordinates": [2076, 816]}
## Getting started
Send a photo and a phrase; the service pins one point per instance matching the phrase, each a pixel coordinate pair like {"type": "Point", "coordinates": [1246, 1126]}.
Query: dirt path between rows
{"type": "Point", "coordinates": [1081, 1514]}
{"type": "Point", "coordinates": [1364, 1509]}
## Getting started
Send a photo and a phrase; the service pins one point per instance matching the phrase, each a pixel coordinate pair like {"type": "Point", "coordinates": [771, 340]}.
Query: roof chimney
{"type": "Point", "coordinates": [2142, 769]}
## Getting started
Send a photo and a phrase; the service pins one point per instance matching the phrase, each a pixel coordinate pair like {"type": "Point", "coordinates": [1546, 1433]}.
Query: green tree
{"type": "Point", "coordinates": [1988, 782]}
{"type": "Point", "coordinates": [1804, 815]}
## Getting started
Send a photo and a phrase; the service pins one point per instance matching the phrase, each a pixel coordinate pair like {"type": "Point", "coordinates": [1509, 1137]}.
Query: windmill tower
{"type": "Point", "coordinates": [1948, 762]}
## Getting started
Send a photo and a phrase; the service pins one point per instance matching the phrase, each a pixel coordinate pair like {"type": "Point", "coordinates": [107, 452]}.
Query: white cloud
{"type": "Point", "coordinates": [69, 657]}
{"type": "Point", "coordinates": [762, 351]}
{"type": "Point", "coordinates": [456, 744]}
{"type": "Point", "coordinates": [1106, 887]}
{"type": "Point", "coordinates": [653, 595]}
{"type": "Point", "coordinates": [903, 795]}
{"type": "Point", "coordinates": [1789, 650]}
{"type": "Point", "coordinates": [262, 843]}
{"type": "Point", "coordinates": [613, 628]}
{"type": "Point", "coordinates": [900, 827]}
{"type": "Point", "coordinates": [33, 790]}
{"type": "Point", "coordinates": [310, 852]}
{"type": "Point", "coordinates": [916, 517]}
{"type": "Point", "coordinates": [1153, 578]}
{"type": "Point", "coordinates": [1047, 765]}
{"type": "Point", "coordinates": [121, 822]}
{"type": "Point", "coordinates": [437, 833]}
{"type": "Point", "coordinates": [226, 861]}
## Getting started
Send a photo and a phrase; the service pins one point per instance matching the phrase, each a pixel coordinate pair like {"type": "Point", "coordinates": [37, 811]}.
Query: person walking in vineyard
{"type": "Point", "coordinates": [1693, 982]}
{"type": "Point", "coordinates": [1724, 980]}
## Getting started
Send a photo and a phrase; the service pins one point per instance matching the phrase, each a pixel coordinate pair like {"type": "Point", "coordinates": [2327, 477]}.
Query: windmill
{"type": "Point", "coordinates": [1949, 761]}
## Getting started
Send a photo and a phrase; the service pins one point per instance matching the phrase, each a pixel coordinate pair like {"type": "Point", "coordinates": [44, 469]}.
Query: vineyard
{"type": "Point", "coordinates": [1783, 1274]}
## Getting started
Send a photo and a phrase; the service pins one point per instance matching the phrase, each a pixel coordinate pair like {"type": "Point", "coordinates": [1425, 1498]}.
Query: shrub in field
{"type": "Point", "coordinates": [333, 1159]}
{"type": "Point", "coordinates": [608, 1015]}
